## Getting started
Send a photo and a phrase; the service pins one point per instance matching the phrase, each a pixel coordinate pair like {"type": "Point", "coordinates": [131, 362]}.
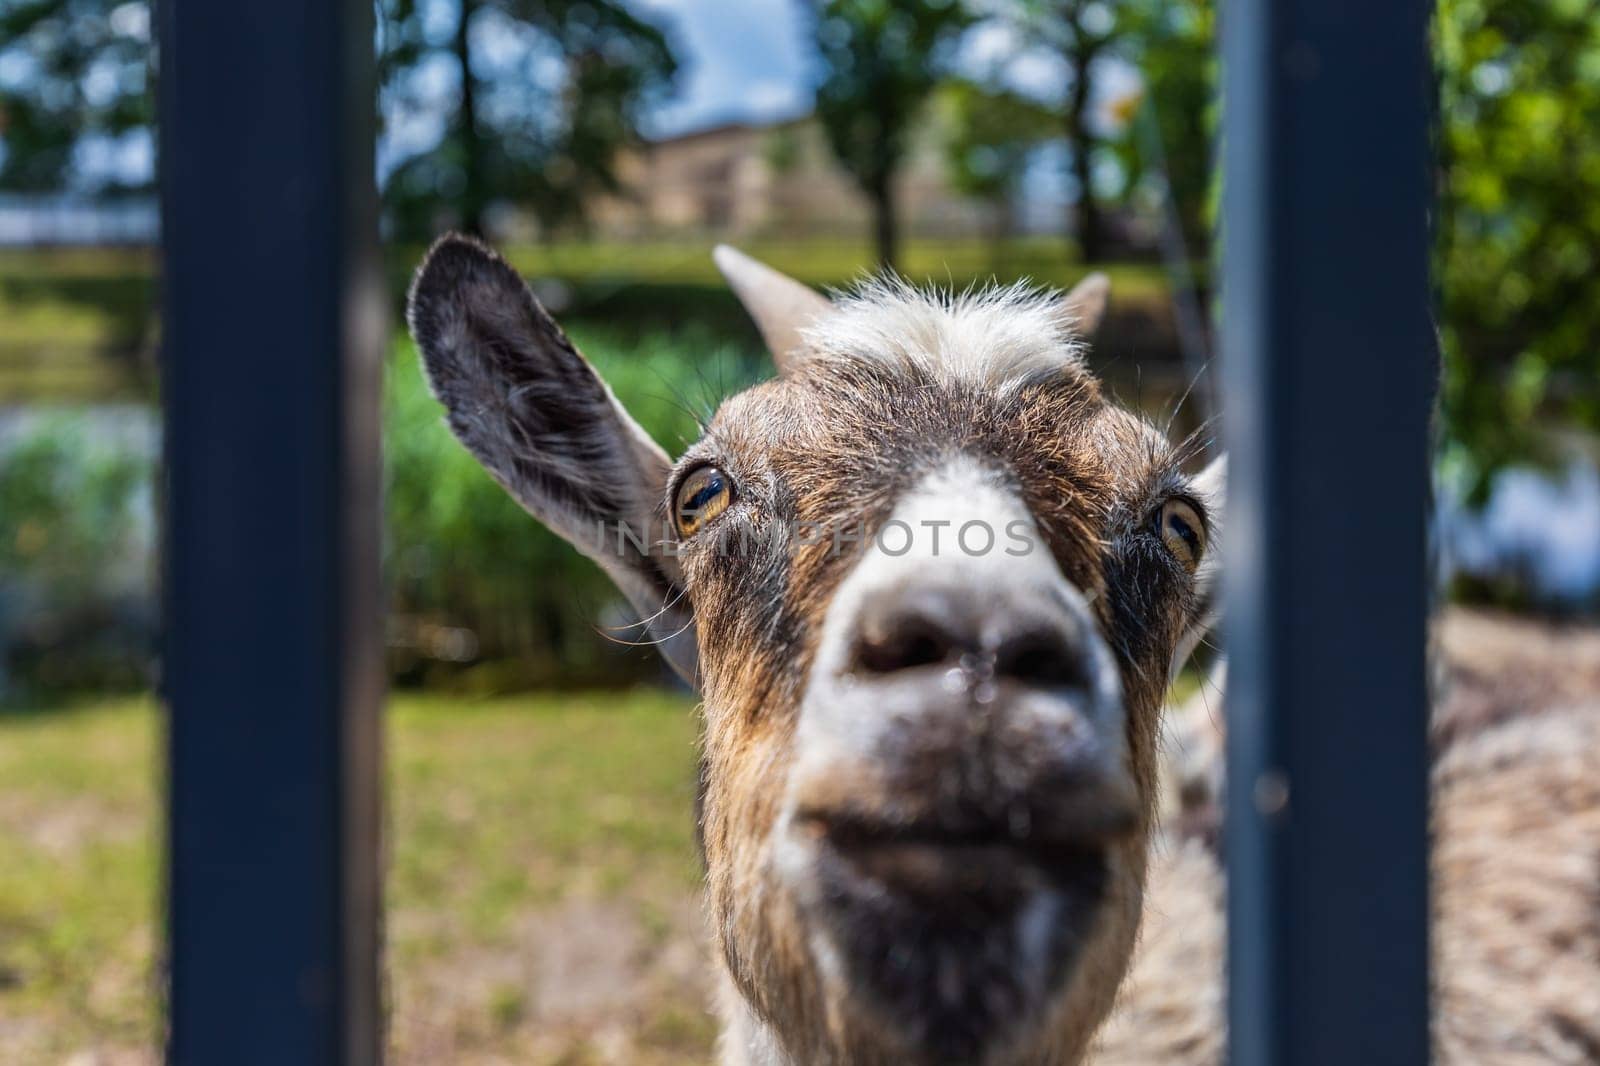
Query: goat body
{"type": "Point", "coordinates": [1515, 866]}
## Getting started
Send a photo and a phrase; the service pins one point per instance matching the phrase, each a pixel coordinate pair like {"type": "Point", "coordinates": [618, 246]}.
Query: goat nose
{"type": "Point", "coordinates": [1017, 638]}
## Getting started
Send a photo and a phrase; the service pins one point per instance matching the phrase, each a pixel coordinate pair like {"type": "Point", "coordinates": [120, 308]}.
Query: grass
{"type": "Point", "coordinates": [833, 262]}
{"type": "Point", "coordinates": [76, 324]}
{"type": "Point", "coordinates": [542, 891]}
{"type": "Point", "coordinates": [819, 261]}
{"type": "Point", "coordinates": [78, 875]}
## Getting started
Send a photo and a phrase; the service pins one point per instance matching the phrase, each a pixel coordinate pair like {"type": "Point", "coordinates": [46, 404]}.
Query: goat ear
{"type": "Point", "coordinates": [780, 305]}
{"type": "Point", "coordinates": [1210, 487]}
{"type": "Point", "coordinates": [1085, 305]}
{"type": "Point", "coordinates": [540, 420]}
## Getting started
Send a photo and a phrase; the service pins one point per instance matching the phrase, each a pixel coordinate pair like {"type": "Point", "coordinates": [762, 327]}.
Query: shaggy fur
{"type": "Point", "coordinates": [1516, 873]}
{"type": "Point", "coordinates": [996, 337]}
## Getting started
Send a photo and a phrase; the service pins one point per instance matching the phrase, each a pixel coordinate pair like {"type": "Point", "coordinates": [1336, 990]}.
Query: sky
{"type": "Point", "coordinates": [741, 59]}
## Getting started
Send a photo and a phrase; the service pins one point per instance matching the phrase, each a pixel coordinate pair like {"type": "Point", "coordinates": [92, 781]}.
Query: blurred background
{"type": "Point", "coordinates": [542, 893]}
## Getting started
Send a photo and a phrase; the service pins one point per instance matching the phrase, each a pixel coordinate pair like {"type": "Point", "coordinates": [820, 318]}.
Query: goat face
{"type": "Point", "coordinates": [930, 584]}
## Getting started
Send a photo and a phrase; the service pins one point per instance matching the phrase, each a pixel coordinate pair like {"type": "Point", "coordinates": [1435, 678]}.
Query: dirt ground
{"type": "Point", "coordinates": [1497, 666]}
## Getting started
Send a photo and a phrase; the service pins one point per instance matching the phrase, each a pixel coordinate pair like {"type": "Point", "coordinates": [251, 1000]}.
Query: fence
{"type": "Point", "coordinates": [273, 654]}
{"type": "Point", "coordinates": [1329, 362]}
{"type": "Point", "coordinates": [270, 391]}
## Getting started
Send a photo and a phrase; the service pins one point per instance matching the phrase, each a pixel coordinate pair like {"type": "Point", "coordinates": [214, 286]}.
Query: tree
{"type": "Point", "coordinates": [547, 92]}
{"type": "Point", "coordinates": [880, 60]}
{"type": "Point", "coordinates": [1517, 255]}
{"type": "Point", "coordinates": [1080, 33]}
{"type": "Point", "coordinates": [76, 103]}
{"type": "Point", "coordinates": [988, 135]}
{"type": "Point", "coordinates": [1173, 44]}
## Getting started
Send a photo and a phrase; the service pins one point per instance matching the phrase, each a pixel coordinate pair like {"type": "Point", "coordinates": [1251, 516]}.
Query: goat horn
{"type": "Point", "coordinates": [1085, 305]}
{"type": "Point", "coordinates": [780, 305]}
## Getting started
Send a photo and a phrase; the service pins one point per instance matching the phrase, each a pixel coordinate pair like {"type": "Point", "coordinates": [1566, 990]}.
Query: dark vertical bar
{"type": "Point", "coordinates": [273, 336]}
{"type": "Point", "coordinates": [1329, 364]}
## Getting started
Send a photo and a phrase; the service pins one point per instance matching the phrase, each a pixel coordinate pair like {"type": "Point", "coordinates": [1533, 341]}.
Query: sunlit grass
{"type": "Point", "coordinates": [67, 262]}
{"type": "Point", "coordinates": [838, 261]}
{"type": "Point", "coordinates": [688, 261]}
{"type": "Point", "coordinates": [78, 876]}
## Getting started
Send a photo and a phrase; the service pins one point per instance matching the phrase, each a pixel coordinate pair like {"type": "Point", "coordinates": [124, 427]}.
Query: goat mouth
{"type": "Point", "coordinates": [964, 870]}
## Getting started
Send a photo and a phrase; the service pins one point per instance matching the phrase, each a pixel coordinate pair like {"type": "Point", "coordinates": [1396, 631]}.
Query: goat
{"type": "Point", "coordinates": [928, 778]}
{"type": "Point", "coordinates": [928, 770]}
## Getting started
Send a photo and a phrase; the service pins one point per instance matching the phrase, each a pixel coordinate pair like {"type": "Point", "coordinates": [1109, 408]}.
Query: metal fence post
{"type": "Point", "coordinates": [272, 669]}
{"type": "Point", "coordinates": [1329, 363]}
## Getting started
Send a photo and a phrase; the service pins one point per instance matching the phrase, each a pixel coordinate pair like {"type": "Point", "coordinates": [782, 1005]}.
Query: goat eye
{"type": "Point", "coordinates": [1182, 532]}
{"type": "Point", "coordinates": [704, 494]}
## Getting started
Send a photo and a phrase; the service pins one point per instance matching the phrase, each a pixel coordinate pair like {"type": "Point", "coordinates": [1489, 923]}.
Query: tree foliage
{"type": "Point", "coordinates": [1081, 34]}
{"type": "Point", "coordinates": [67, 507]}
{"type": "Point", "coordinates": [1518, 248]}
{"type": "Point", "coordinates": [880, 62]}
{"type": "Point", "coordinates": [1173, 44]}
{"type": "Point", "coordinates": [989, 134]}
{"type": "Point", "coordinates": [74, 80]}
{"type": "Point", "coordinates": [545, 94]}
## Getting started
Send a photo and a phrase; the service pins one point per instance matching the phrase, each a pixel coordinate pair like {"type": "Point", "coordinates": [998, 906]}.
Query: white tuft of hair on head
{"type": "Point", "coordinates": [994, 335]}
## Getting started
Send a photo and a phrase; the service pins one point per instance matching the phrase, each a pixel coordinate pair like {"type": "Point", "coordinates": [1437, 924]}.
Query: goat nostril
{"type": "Point", "coordinates": [1039, 658]}
{"type": "Point", "coordinates": [905, 647]}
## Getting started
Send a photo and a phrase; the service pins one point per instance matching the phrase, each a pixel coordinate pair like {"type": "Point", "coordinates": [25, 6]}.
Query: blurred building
{"type": "Point", "coordinates": [742, 179]}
